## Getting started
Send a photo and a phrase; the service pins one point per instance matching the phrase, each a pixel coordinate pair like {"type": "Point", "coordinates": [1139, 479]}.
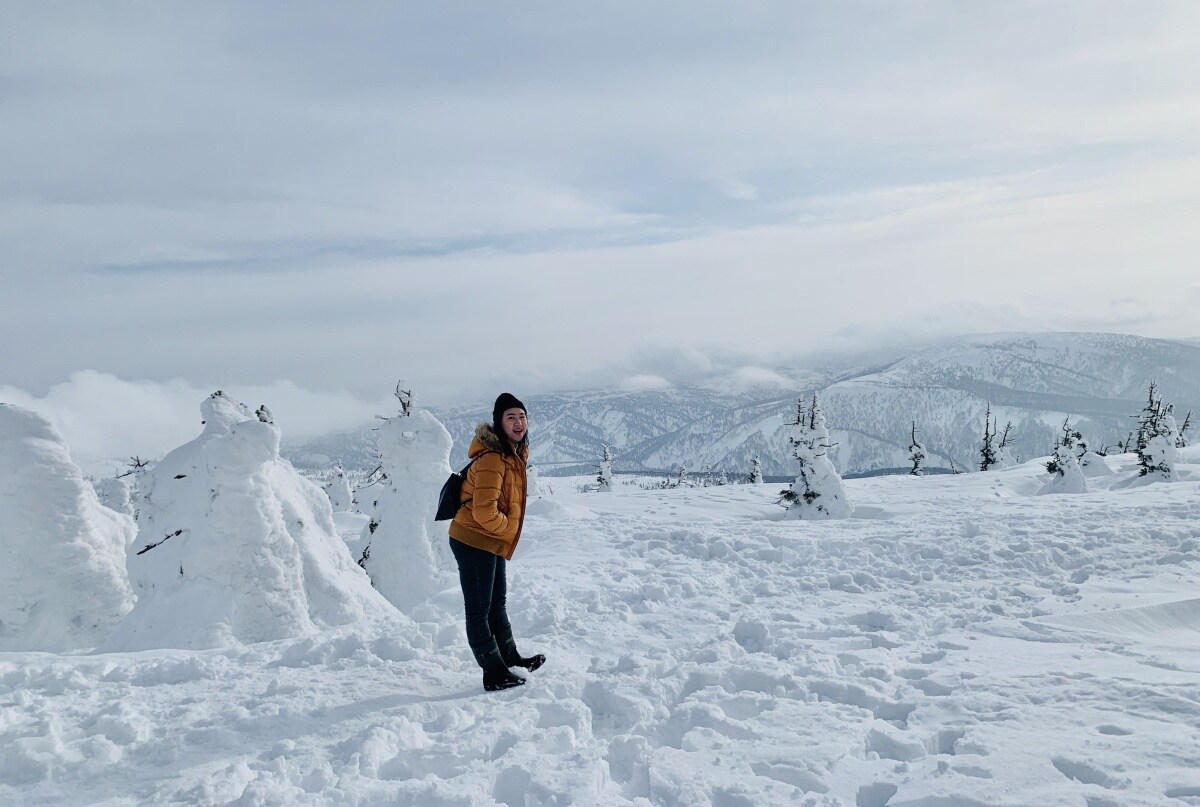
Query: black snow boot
{"type": "Point", "coordinates": [508, 652]}
{"type": "Point", "coordinates": [495, 674]}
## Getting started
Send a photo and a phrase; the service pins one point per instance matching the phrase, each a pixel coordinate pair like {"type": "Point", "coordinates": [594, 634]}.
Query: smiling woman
{"type": "Point", "coordinates": [484, 535]}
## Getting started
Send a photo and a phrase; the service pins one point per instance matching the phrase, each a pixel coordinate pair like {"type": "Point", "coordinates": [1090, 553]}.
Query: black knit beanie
{"type": "Point", "coordinates": [505, 402]}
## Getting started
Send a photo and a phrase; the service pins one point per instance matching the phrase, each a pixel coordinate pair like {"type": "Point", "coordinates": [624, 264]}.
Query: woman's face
{"type": "Point", "coordinates": [515, 425]}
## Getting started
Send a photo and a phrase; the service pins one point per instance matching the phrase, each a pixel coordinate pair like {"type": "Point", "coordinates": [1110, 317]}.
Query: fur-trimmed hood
{"type": "Point", "coordinates": [486, 436]}
{"type": "Point", "coordinates": [486, 440]}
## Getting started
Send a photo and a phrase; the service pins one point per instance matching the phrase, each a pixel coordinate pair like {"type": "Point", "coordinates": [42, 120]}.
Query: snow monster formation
{"type": "Point", "coordinates": [62, 577]}
{"type": "Point", "coordinates": [338, 491]}
{"type": "Point", "coordinates": [408, 558]}
{"type": "Point", "coordinates": [818, 492]}
{"type": "Point", "coordinates": [115, 493]}
{"type": "Point", "coordinates": [235, 546]}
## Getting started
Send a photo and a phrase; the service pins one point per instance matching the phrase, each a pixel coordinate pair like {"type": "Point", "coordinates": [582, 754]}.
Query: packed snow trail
{"type": "Point", "coordinates": [961, 641]}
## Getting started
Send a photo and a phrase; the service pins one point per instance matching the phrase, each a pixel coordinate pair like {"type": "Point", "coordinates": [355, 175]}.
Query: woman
{"type": "Point", "coordinates": [484, 534]}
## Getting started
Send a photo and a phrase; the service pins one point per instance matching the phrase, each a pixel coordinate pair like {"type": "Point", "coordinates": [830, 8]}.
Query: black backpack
{"type": "Point", "coordinates": [449, 500]}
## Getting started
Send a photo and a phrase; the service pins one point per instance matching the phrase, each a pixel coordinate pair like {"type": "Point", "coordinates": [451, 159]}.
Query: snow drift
{"type": "Point", "coordinates": [62, 577]}
{"type": "Point", "coordinates": [236, 546]}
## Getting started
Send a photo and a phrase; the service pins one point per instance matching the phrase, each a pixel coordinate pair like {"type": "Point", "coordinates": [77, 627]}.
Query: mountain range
{"type": "Point", "coordinates": [1032, 380]}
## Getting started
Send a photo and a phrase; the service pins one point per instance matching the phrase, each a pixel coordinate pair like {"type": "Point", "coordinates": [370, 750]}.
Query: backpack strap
{"type": "Point", "coordinates": [463, 474]}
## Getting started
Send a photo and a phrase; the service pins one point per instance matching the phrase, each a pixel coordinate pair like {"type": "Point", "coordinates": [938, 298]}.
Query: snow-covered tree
{"type": "Point", "coordinates": [366, 496]}
{"type": "Point", "coordinates": [1065, 473]}
{"type": "Point", "coordinates": [134, 477]}
{"type": "Point", "coordinates": [533, 482]}
{"type": "Point", "coordinates": [1078, 440]}
{"type": "Point", "coordinates": [604, 475]}
{"type": "Point", "coordinates": [1147, 418]}
{"type": "Point", "coordinates": [1090, 462]}
{"type": "Point", "coordinates": [338, 490]}
{"type": "Point", "coordinates": [756, 474]}
{"type": "Point", "coordinates": [234, 545]}
{"type": "Point", "coordinates": [916, 453]}
{"type": "Point", "coordinates": [1005, 456]}
{"type": "Point", "coordinates": [1158, 457]}
{"type": "Point", "coordinates": [408, 401]}
{"type": "Point", "coordinates": [405, 564]}
{"type": "Point", "coordinates": [817, 491]}
{"type": "Point", "coordinates": [62, 579]}
{"type": "Point", "coordinates": [1157, 436]}
{"type": "Point", "coordinates": [987, 454]}
{"type": "Point", "coordinates": [682, 479]}
{"type": "Point", "coordinates": [115, 493]}
{"type": "Point", "coordinates": [1182, 441]}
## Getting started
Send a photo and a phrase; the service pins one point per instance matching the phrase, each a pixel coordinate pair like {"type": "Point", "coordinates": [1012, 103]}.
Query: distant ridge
{"type": "Point", "coordinates": [1033, 380]}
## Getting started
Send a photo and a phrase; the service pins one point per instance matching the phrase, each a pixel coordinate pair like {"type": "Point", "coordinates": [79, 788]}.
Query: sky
{"type": "Point", "coordinates": [318, 199]}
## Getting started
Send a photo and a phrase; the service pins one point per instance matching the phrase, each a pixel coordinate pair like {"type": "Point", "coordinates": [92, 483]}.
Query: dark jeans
{"type": "Point", "coordinates": [484, 589]}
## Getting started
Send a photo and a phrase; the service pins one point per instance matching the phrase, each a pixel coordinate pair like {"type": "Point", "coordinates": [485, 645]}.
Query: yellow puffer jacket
{"type": "Point", "coordinates": [494, 496]}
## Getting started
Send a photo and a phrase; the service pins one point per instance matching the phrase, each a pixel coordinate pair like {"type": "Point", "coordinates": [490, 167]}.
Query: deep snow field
{"type": "Point", "coordinates": [960, 641]}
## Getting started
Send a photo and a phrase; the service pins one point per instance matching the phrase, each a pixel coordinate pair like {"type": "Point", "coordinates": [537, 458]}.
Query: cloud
{"type": "Point", "coordinates": [105, 419]}
{"type": "Point", "coordinates": [736, 189]}
{"type": "Point", "coordinates": [259, 191]}
{"type": "Point", "coordinates": [749, 377]}
{"type": "Point", "coordinates": [644, 383]}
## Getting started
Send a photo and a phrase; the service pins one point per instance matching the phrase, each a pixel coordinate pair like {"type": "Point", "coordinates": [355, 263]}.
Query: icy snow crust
{"type": "Point", "coordinates": [959, 641]}
{"type": "Point", "coordinates": [62, 582]}
{"type": "Point", "coordinates": [235, 546]}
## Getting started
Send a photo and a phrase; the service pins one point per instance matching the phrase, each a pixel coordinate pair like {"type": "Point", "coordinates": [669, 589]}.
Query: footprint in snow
{"type": "Point", "coordinates": [1087, 773]}
{"type": "Point", "coordinates": [875, 795]}
{"type": "Point", "coordinates": [1188, 795]}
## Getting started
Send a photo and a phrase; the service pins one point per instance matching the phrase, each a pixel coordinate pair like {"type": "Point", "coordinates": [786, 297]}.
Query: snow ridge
{"type": "Point", "coordinates": [1032, 380]}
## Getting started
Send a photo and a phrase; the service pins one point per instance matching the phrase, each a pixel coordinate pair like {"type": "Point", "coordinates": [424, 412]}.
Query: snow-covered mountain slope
{"type": "Point", "coordinates": [1032, 380]}
{"type": "Point", "coordinates": [959, 641]}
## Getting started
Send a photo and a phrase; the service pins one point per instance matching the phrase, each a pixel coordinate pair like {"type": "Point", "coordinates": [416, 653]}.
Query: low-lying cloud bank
{"type": "Point", "coordinates": [104, 418]}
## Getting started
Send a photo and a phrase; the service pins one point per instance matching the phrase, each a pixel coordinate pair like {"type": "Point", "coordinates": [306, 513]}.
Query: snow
{"type": "Point", "coordinates": [958, 640]}
{"type": "Point", "coordinates": [234, 545]}
{"type": "Point", "coordinates": [62, 583]}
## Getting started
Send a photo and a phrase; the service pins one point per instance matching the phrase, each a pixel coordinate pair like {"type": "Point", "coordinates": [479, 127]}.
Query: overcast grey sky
{"type": "Point", "coordinates": [547, 194]}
